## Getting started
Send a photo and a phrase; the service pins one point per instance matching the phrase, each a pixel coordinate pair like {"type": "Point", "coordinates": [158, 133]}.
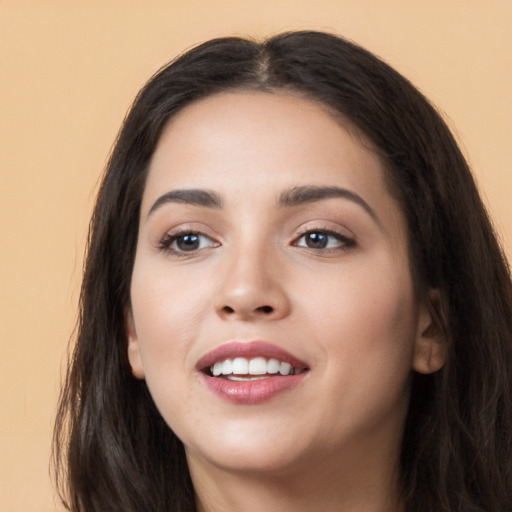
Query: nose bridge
{"type": "Point", "coordinates": [250, 286]}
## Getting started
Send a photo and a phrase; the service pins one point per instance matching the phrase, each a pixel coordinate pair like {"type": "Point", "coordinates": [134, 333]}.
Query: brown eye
{"type": "Point", "coordinates": [188, 241]}
{"type": "Point", "coordinates": [316, 240]}
{"type": "Point", "coordinates": [324, 240]}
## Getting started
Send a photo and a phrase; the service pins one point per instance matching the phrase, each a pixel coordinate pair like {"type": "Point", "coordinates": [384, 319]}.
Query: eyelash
{"type": "Point", "coordinates": [169, 239]}
{"type": "Point", "coordinates": [344, 243]}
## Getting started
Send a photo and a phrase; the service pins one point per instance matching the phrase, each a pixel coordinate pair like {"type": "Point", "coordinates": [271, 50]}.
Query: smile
{"type": "Point", "coordinates": [250, 373]}
{"type": "Point", "coordinates": [256, 368]}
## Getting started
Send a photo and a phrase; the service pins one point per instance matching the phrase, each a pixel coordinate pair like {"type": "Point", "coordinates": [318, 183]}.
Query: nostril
{"type": "Point", "coordinates": [265, 310]}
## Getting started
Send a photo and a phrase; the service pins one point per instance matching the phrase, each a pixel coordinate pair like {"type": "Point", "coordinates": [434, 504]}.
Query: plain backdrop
{"type": "Point", "coordinates": [69, 70]}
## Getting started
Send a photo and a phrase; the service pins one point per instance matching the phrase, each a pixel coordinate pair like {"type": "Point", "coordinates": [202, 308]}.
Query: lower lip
{"type": "Point", "coordinates": [253, 391]}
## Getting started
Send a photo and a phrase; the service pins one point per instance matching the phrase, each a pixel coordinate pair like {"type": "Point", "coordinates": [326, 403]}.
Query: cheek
{"type": "Point", "coordinates": [366, 333]}
{"type": "Point", "coordinates": [167, 310]}
{"type": "Point", "coordinates": [165, 316]}
{"type": "Point", "coordinates": [367, 325]}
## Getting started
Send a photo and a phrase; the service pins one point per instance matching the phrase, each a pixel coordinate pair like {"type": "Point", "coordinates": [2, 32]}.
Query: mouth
{"type": "Point", "coordinates": [256, 368]}
{"type": "Point", "coordinates": [250, 373]}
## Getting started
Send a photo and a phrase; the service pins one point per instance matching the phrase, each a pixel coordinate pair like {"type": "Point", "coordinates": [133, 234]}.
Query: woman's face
{"type": "Point", "coordinates": [269, 242]}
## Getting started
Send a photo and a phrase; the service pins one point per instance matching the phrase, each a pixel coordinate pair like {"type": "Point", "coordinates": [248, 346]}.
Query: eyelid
{"type": "Point", "coordinates": [346, 241]}
{"type": "Point", "coordinates": [177, 227]}
{"type": "Point", "coordinates": [169, 238]}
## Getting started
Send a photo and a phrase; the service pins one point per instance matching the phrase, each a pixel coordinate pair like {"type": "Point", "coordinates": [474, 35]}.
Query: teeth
{"type": "Point", "coordinates": [240, 366]}
{"type": "Point", "coordinates": [216, 369]}
{"type": "Point", "coordinates": [256, 366]}
{"type": "Point", "coordinates": [227, 367]}
{"type": "Point", "coordinates": [284, 368]}
{"type": "Point", "coordinates": [243, 379]}
{"type": "Point", "coordinates": [273, 366]}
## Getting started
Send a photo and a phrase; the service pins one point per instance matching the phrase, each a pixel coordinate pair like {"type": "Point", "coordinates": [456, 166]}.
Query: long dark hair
{"type": "Point", "coordinates": [112, 449]}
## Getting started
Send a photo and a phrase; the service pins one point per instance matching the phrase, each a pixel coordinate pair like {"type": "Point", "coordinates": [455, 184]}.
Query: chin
{"type": "Point", "coordinates": [248, 461]}
{"type": "Point", "coordinates": [249, 450]}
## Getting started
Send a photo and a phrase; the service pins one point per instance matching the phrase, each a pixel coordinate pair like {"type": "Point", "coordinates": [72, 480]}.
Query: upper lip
{"type": "Point", "coordinates": [248, 350]}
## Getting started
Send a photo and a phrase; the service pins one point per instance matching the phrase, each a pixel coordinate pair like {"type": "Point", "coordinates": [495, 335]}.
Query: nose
{"type": "Point", "coordinates": [252, 288]}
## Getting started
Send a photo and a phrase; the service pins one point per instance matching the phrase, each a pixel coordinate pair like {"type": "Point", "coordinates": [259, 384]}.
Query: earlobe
{"type": "Point", "coordinates": [133, 347]}
{"type": "Point", "coordinates": [431, 347]}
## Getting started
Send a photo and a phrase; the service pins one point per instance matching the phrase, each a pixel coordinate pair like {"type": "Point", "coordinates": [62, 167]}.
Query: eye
{"type": "Point", "coordinates": [186, 241]}
{"type": "Point", "coordinates": [322, 239]}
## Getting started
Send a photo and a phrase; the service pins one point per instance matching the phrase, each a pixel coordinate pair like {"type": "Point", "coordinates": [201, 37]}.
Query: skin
{"type": "Point", "coordinates": [349, 311]}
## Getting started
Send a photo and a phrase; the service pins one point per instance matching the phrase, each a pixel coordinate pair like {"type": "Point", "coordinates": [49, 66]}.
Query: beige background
{"type": "Point", "coordinates": [68, 71]}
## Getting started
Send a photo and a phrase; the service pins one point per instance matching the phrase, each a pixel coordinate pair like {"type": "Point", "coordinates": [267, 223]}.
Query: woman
{"type": "Point", "coordinates": [293, 298]}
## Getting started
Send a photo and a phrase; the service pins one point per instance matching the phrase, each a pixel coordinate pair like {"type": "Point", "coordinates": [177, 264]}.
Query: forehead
{"type": "Point", "coordinates": [246, 137]}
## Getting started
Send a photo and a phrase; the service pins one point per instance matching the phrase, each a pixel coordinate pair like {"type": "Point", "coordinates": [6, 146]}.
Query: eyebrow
{"type": "Point", "coordinates": [193, 196]}
{"type": "Point", "coordinates": [296, 196]}
{"type": "Point", "coordinates": [309, 194]}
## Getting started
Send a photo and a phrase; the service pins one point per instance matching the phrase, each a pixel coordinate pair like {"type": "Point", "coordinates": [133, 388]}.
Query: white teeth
{"type": "Point", "coordinates": [284, 368]}
{"type": "Point", "coordinates": [217, 369]}
{"type": "Point", "coordinates": [273, 366]}
{"type": "Point", "coordinates": [256, 366]}
{"type": "Point", "coordinates": [240, 366]}
{"type": "Point", "coordinates": [243, 379]}
{"type": "Point", "coordinates": [227, 367]}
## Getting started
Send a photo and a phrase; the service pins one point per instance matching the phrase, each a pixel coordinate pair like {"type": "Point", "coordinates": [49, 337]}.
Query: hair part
{"type": "Point", "coordinates": [112, 449]}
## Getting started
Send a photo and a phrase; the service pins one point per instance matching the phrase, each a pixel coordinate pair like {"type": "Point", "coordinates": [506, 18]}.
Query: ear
{"type": "Point", "coordinates": [134, 356]}
{"type": "Point", "coordinates": [431, 346]}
